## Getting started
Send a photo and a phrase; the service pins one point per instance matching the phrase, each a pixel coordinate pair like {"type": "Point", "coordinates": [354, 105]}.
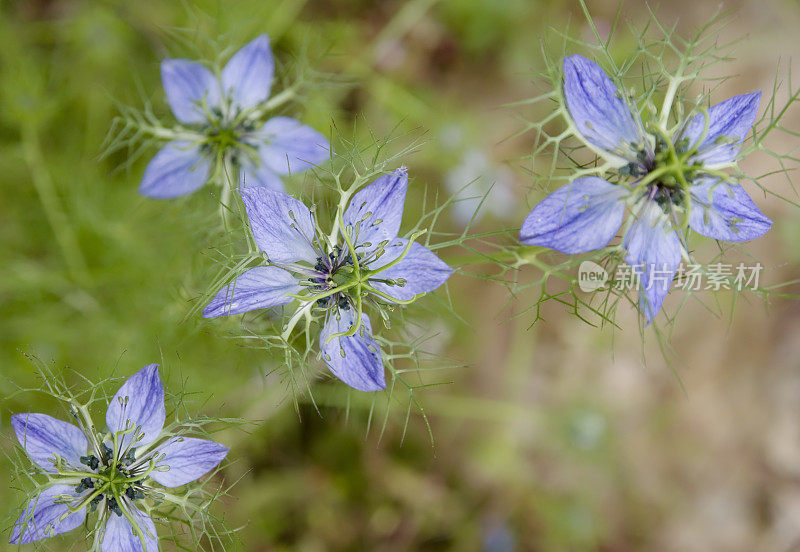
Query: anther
{"type": "Point", "coordinates": [90, 461]}
{"type": "Point", "coordinates": [112, 505]}
{"type": "Point", "coordinates": [134, 494]}
{"type": "Point", "coordinates": [95, 501]}
{"type": "Point", "coordinates": [86, 483]}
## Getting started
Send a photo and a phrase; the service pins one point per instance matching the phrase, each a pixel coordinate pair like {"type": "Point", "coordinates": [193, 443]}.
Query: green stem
{"type": "Point", "coordinates": [170, 134]}
{"type": "Point", "coordinates": [388, 298]}
{"type": "Point", "coordinates": [669, 97]}
{"type": "Point", "coordinates": [402, 255]}
{"type": "Point", "coordinates": [228, 171]}
{"type": "Point", "coordinates": [53, 210]}
{"type": "Point", "coordinates": [344, 198]}
{"type": "Point", "coordinates": [279, 99]}
{"type": "Point", "coordinates": [503, 257]}
{"type": "Point", "coordinates": [299, 313]}
{"type": "Point", "coordinates": [88, 499]}
{"type": "Point", "coordinates": [356, 324]}
{"type": "Point", "coordinates": [136, 528]}
{"type": "Point", "coordinates": [350, 245]}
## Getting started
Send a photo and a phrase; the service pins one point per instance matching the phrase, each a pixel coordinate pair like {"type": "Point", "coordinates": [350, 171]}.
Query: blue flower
{"type": "Point", "coordinates": [112, 473]}
{"type": "Point", "coordinates": [676, 182]}
{"type": "Point", "coordinates": [221, 115]}
{"type": "Point", "coordinates": [335, 279]}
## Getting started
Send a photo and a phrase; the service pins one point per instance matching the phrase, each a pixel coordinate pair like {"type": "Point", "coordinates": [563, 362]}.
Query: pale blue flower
{"type": "Point", "coordinates": [332, 278]}
{"type": "Point", "coordinates": [114, 474]}
{"type": "Point", "coordinates": [586, 214]}
{"type": "Point", "coordinates": [221, 115]}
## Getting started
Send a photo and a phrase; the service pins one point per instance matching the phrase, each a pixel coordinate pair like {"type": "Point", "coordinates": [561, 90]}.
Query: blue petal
{"type": "Point", "coordinates": [42, 517]}
{"type": "Point", "coordinates": [258, 288]}
{"type": "Point", "coordinates": [286, 145]}
{"type": "Point", "coordinates": [120, 537]}
{"type": "Point", "coordinates": [356, 360]}
{"type": "Point", "coordinates": [177, 169]}
{"type": "Point", "coordinates": [654, 251]}
{"type": "Point", "coordinates": [582, 216]}
{"type": "Point", "coordinates": [139, 403]}
{"type": "Point", "coordinates": [247, 78]}
{"type": "Point", "coordinates": [421, 269]}
{"type": "Point", "coordinates": [729, 122]}
{"type": "Point", "coordinates": [282, 226]}
{"type": "Point", "coordinates": [724, 211]}
{"type": "Point", "coordinates": [188, 459]}
{"type": "Point", "coordinates": [42, 436]}
{"type": "Point", "coordinates": [374, 213]}
{"type": "Point", "coordinates": [261, 175]}
{"type": "Point", "coordinates": [187, 84]}
{"type": "Point", "coordinates": [599, 110]}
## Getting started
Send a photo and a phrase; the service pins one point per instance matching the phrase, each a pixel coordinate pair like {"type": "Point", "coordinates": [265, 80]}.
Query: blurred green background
{"type": "Point", "coordinates": [550, 439]}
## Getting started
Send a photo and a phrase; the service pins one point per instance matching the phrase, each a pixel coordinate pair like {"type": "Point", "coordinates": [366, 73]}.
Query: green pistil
{"type": "Point", "coordinates": [344, 276]}
{"type": "Point", "coordinates": [120, 480]}
{"type": "Point", "coordinates": [114, 480]}
{"type": "Point", "coordinates": [225, 138]}
{"type": "Point", "coordinates": [123, 485]}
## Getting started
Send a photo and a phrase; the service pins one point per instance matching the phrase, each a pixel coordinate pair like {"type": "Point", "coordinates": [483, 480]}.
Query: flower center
{"type": "Point", "coordinates": [113, 478]}
{"type": "Point", "coordinates": [665, 172]}
{"type": "Point", "coordinates": [223, 137]}
{"type": "Point", "coordinates": [333, 271]}
{"type": "Point", "coordinates": [344, 275]}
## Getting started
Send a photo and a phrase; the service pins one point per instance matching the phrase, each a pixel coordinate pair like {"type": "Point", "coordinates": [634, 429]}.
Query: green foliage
{"type": "Point", "coordinates": [540, 435]}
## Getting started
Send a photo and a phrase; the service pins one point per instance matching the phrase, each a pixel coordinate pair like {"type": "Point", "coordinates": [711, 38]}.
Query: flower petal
{"type": "Point", "coordinates": [187, 84]}
{"type": "Point", "coordinates": [177, 169]}
{"type": "Point", "coordinates": [262, 175]}
{"type": "Point", "coordinates": [724, 211]}
{"type": "Point", "coordinates": [582, 216]}
{"type": "Point", "coordinates": [599, 110]}
{"type": "Point", "coordinates": [356, 360]}
{"type": "Point", "coordinates": [120, 537]}
{"type": "Point", "coordinates": [139, 401]}
{"type": "Point", "coordinates": [261, 287]}
{"type": "Point", "coordinates": [286, 145]}
{"type": "Point", "coordinates": [728, 122]}
{"type": "Point", "coordinates": [654, 252]}
{"type": "Point", "coordinates": [282, 226]}
{"type": "Point", "coordinates": [374, 213]}
{"type": "Point", "coordinates": [247, 78]}
{"type": "Point", "coordinates": [43, 436]}
{"type": "Point", "coordinates": [42, 517]}
{"type": "Point", "coordinates": [188, 459]}
{"type": "Point", "coordinates": [421, 269]}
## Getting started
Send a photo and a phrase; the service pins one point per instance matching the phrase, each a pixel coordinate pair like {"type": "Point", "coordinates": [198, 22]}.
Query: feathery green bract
{"type": "Point", "coordinates": [663, 82]}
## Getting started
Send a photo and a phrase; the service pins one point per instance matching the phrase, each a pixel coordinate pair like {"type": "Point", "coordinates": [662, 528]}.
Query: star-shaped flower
{"type": "Point", "coordinates": [371, 264]}
{"type": "Point", "coordinates": [116, 473]}
{"type": "Point", "coordinates": [676, 182]}
{"type": "Point", "coordinates": [222, 119]}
